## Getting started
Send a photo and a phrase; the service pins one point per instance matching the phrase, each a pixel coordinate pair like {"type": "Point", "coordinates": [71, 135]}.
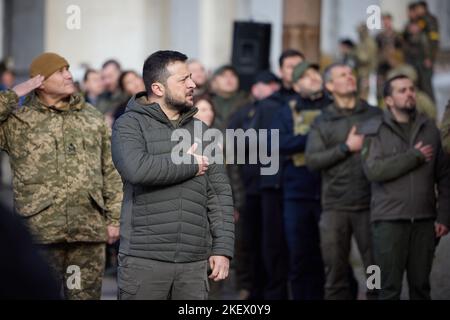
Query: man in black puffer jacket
{"type": "Point", "coordinates": [174, 216]}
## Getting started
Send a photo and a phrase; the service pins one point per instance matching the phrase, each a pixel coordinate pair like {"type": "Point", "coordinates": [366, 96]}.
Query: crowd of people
{"type": "Point", "coordinates": [378, 174]}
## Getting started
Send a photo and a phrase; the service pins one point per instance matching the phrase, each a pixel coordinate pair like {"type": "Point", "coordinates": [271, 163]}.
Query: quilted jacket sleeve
{"type": "Point", "coordinates": [220, 211]}
{"type": "Point", "coordinates": [139, 167]}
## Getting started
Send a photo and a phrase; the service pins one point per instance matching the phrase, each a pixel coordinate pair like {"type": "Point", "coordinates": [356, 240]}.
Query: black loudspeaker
{"type": "Point", "coordinates": [251, 50]}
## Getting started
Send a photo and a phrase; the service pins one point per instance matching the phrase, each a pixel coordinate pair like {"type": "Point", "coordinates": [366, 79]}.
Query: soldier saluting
{"type": "Point", "coordinates": [65, 185]}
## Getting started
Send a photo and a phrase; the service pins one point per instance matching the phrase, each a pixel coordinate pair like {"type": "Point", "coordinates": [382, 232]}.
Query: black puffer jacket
{"type": "Point", "coordinates": [168, 214]}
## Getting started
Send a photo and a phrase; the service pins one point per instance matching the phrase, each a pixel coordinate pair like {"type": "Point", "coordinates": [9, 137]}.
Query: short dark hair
{"type": "Point", "coordinates": [227, 67]}
{"type": "Point", "coordinates": [423, 4]}
{"type": "Point", "coordinates": [347, 42]}
{"type": "Point", "coordinates": [387, 89]}
{"type": "Point", "coordinates": [412, 6]}
{"type": "Point", "coordinates": [155, 67]}
{"type": "Point", "coordinates": [113, 62]}
{"type": "Point", "coordinates": [289, 53]}
{"type": "Point", "coordinates": [87, 73]}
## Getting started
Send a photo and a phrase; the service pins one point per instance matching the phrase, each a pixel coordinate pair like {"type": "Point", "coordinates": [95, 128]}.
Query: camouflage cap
{"type": "Point", "coordinates": [301, 68]}
{"type": "Point", "coordinates": [46, 64]}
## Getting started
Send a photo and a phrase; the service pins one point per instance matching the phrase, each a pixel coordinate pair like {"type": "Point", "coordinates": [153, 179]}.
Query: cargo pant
{"type": "Point", "coordinates": [79, 267]}
{"type": "Point", "coordinates": [401, 246]}
{"type": "Point", "coordinates": [306, 268]}
{"type": "Point", "coordinates": [145, 279]}
{"type": "Point", "coordinates": [336, 231]}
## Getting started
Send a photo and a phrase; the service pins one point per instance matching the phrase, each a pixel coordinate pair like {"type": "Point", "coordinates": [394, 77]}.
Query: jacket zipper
{"type": "Point", "coordinates": [180, 215]}
{"type": "Point", "coordinates": [411, 144]}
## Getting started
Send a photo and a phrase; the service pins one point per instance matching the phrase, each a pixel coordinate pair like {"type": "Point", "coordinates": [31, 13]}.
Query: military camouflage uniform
{"type": "Point", "coordinates": [65, 185]}
{"type": "Point", "coordinates": [430, 27]}
{"type": "Point", "coordinates": [366, 54]}
{"type": "Point", "coordinates": [417, 49]}
{"type": "Point", "coordinates": [109, 102]}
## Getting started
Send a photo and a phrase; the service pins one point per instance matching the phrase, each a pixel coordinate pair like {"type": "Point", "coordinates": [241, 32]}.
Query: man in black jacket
{"type": "Point", "coordinates": [404, 160]}
{"type": "Point", "coordinates": [301, 201]}
{"type": "Point", "coordinates": [261, 221]}
{"type": "Point", "coordinates": [174, 216]}
{"type": "Point", "coordinates": [333, 148]}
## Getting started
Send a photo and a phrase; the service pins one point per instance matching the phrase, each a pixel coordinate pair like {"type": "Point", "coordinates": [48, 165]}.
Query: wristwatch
{"type": "Point", "coordinates": [344, 148]}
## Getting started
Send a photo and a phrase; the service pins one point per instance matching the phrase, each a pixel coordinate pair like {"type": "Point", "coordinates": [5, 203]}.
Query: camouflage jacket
{"type": "Point", "coordinates": [65, 184]}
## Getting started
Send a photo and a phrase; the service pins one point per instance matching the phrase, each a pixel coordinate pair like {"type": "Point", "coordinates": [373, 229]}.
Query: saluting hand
{"type": "Point", "coordinates": [24, 88]}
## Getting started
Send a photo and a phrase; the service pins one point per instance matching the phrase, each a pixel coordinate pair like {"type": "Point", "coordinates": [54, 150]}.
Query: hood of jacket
{"type": "Point", "coordinates": [139, 103]}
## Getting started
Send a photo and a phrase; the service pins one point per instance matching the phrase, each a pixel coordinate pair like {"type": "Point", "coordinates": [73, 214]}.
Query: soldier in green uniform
{"type": "Point", "coordinates": [418, 53]}
{"type": "Point", "coordinates": [430, 25]}
{"type": "Point", "coordinates": [422, 44]}
{"type": "Point", "coordinates": [66, 187]}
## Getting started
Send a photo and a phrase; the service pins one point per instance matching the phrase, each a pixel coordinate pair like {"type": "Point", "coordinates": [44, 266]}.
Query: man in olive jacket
{"type": "Point", "coordinates": [404, 160]}
{"type": "Point", "coordinates": [333, 148]}
{"type": "Point", "coordinates": [174, 216]}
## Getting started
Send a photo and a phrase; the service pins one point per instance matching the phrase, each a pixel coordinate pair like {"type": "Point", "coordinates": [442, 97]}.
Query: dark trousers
{"type": "Point", "coordinates": [274, 246]}
{"type": "Point", "coordinates": [426, 80]}
{"type": "Point", "coordinates": [400, 246]}
{"type": "Point", "coordinates": [251, 220]}
{"type": "Point", "coordinates": [336, 230]}
{"type": "Point", "coordinates": [145, 279]}
{"type": "Point", "coordinates": [306, 270]}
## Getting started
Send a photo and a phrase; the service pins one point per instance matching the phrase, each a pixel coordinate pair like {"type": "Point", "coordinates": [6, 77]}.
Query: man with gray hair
{"type": "Point", "coordinates": [333, 148]}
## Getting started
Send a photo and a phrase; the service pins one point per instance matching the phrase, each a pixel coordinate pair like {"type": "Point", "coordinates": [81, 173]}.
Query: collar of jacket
{"type": "Point", "coordinates": [320, 101]}
{"type": "Point", "coordinates": [76, 103]}
{"type": "Point", "coordinates": [140, 104]}
{"type": "Point", "coordinates": [418, 120]}
{"type": "Point", "coordinates": [333, 112]}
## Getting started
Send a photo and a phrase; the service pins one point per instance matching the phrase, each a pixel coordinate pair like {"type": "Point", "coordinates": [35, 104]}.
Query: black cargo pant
{"type": "Point", "coordinates": [336, 230]}
{"type": "Point", "coordinates": [404, 245]}
{"type": "Point", "coordinates": [145, 279]}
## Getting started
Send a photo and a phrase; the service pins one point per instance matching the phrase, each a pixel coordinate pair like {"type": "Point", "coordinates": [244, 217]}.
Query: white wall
{"type": "Point", "coordinates": [130, 31]}
{"type": "Point", "coordinates": [270, 11]}
{"type": "Point", "coordinates": [340, 18]}
{"type": "Point", "coordinates": [184, 26]}
{"type": "Point", "coordinates": [216, 27]}
{"type": "Point", "coordinates": [216, 32]}
{"type": "Point", "coordinates": [109, 29]}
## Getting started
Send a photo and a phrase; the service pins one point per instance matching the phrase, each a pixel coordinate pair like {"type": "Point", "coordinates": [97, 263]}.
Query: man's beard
{"type": "Point", "coordinates": [411, 111]}
{"type": "Point", "coordinates": [312, 94]}
{"type": "Point", "coordinates": [174, 103]}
